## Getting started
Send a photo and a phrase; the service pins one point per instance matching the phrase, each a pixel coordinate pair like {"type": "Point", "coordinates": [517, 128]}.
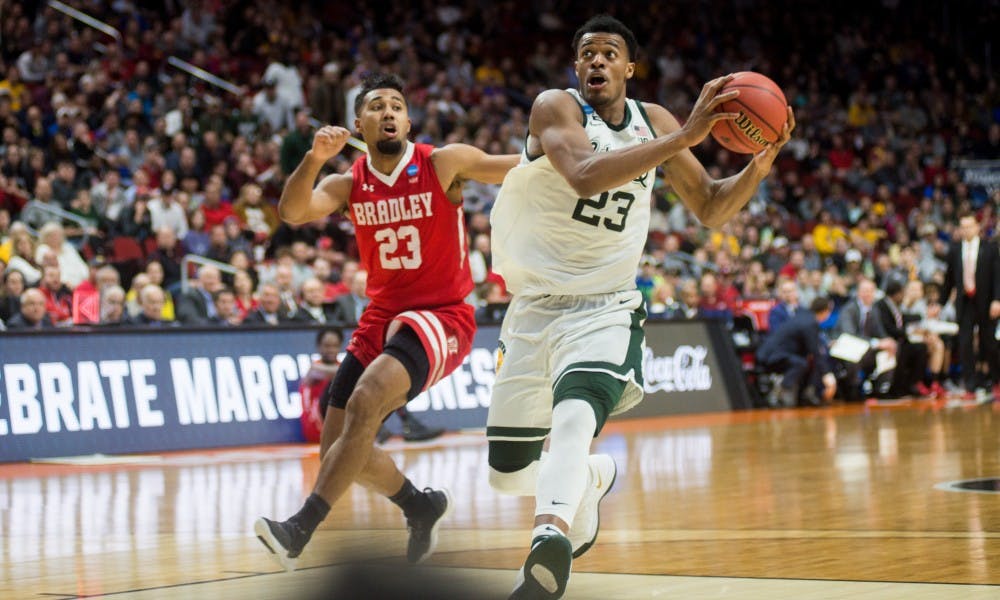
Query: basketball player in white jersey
{"type": "Point", "coordinates": [569, 227]}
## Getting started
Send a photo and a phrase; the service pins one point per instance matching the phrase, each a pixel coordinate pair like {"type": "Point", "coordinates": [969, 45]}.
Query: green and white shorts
{"type": "Point", "coordinates": [554, 348]}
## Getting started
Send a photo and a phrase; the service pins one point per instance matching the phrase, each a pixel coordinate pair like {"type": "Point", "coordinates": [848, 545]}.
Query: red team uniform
{"type": "Point", "coordinates": [312, 413]}
{"type": "Point", "coordinates": [411, 240]}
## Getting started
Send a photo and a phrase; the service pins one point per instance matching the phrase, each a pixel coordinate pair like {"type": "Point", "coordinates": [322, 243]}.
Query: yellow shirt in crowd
{"type": "Point", "coordinates": [826, 237]}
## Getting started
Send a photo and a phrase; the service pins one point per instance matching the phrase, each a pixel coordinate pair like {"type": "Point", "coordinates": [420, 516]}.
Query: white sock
{"type": "Point", "coordinates": [563, 474]}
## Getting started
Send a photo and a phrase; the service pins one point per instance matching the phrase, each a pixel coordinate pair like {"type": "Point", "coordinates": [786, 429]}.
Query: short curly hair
{"type": "Point", "coordinates": [376, 81]}
{"type": "Point", "coordinates": [607, 24]}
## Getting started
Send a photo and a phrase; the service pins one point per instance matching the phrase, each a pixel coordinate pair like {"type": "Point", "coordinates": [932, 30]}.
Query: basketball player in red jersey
{"type": "Point", "coordinates": [405, 200]}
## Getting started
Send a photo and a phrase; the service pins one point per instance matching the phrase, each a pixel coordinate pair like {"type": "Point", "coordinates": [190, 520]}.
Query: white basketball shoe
{"type": "Point", "coordinates": [587, 521]}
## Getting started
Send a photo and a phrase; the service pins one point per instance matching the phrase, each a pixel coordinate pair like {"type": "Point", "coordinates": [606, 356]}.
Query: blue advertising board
{"type": "Point", "coordinates": [74, 393]}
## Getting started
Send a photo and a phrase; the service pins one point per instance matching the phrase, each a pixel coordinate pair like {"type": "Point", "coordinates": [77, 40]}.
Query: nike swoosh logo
{"type": "Point", "coordinates": [624, 301]}
{"type": "Point", "coordinates": [556, 503]}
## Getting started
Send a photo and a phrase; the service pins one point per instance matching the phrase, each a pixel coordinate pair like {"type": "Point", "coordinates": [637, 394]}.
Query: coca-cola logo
{"type": "Point", "coordinates": [685, 371]}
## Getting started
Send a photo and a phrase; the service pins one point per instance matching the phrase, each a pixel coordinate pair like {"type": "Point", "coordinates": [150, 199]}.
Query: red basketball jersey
{"type": "Point", "coordinates": [411, 238]}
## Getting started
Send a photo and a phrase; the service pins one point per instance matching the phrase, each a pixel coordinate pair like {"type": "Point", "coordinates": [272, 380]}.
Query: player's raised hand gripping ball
{"type": "Point", "coordinates": [762, 112]}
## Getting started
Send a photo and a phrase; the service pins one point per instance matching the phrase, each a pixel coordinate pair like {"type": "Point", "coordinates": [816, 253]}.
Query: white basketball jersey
{"type": "Point", "coordinates": [548, 240]}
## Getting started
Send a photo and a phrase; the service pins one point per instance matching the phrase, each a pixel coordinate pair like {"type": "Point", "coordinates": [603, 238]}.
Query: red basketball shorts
{"type": "Point", "coordinates": [446, 333]}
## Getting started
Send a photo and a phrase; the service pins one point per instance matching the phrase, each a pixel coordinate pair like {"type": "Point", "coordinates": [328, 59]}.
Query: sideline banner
{"type": "Point", "coordinates": [65, 394]}
{"type": "Point", "coordinates": [982, 176]}
{"type": "Point", "coordinates": [690, 367]}
{"type": "Point", "coordinates": [74, 393]}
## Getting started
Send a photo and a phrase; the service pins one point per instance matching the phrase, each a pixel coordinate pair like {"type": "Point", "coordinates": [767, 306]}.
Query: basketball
{"type": "Point", "coordinates": [762, 113]}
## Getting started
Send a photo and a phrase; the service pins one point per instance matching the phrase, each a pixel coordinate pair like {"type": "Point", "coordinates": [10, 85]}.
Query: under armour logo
{"type": "Point", "coordinates": [367, 187]}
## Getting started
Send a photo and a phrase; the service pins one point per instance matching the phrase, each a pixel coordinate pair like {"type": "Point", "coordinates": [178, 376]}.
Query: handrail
{"type": "Point", "coordinates": [691, 260]}
{"type": "Point", "coordinates": [46, 212]}
{"type": "Point", "coordinates": [203, 261]}
{"type": "Point", "coordinates": [87, 20]}
{"type": "Point", "coordinates": [204, 75]}
{"type": "Point", "coordinates": [352, 141]}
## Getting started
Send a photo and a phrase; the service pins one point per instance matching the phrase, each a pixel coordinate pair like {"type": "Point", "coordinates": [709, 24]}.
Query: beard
{"type": "Point", "coordinates": [597, 99]}
{"type": "Point", "coordinates": [389, 147]}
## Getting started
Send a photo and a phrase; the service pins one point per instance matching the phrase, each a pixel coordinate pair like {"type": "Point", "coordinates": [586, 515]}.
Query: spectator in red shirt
{"type": "Point", "coordinates": [243, 287]}
{"type": "Point", "coordinates": [347, 273]}
{"type": "Point", "coordinates": [322, 269]}
{"type": "Point", "coordinates": [712, 305]}
{"type": "Point", "coordinates": [728, 292]}
{"type": "Point", "coordinates": [841, 156]}
{"type": "Point", "coordinates": [58, 297]}
{"type": "Point", "coordinates": [86, 296]}
{"type": "Point", "coordinates": [213, 208]}
{"type": "Point", "coordinates": [12, 197]}
{"type": "Point", "coordinates": [796, 260]}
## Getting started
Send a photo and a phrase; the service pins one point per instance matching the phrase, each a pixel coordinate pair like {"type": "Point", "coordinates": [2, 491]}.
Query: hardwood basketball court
{"type": "Point", "coordinates": [821, 503]}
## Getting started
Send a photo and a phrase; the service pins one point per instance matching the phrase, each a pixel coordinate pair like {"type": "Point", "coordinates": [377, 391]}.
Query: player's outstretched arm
{"type": "Point", "coordinates": [300, 201]}
{"type": "Point", "coordinates": [462, 162]}
{"type": "Point", "coordinates": [555, 121]}
{"type": "Point", "coordinates": [715, 201]}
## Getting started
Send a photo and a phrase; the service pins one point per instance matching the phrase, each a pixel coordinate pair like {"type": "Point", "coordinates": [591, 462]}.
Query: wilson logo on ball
{"type": "Point", "coordinates": [750, 130]}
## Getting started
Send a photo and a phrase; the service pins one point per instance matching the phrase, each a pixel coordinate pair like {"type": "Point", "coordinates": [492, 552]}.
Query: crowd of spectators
{"type": "Point", "coordinates": [133, 164]}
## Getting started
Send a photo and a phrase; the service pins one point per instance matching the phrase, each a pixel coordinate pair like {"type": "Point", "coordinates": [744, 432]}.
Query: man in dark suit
{"type": "Point", "coordinates": [974, 273]}
{"type": "Point", "coordinates": [195, 306]}
{"type": "Point", "coordinates": [793, 349]}
{"type": "Point", "coordinates": [347, 309]}
{"type": "Point", "coordinates": [270, 310]}
{"type": "Point", "coordinates": [151, 299]}
{"type": "Point", "coordinates": [227, 314]}
{"type": "Point", "coordinates": [911, 357]}
{"type": "Point", "coordinates": [858, 318]}
{"type": "Point", "coordinates": [689, 306]}
{"type": "Point", "coordinates": [32, 315]}
{"type": "Point", "coordinates": [312, 309]}
{"type": "Point", "coordinates": [788, 304]}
